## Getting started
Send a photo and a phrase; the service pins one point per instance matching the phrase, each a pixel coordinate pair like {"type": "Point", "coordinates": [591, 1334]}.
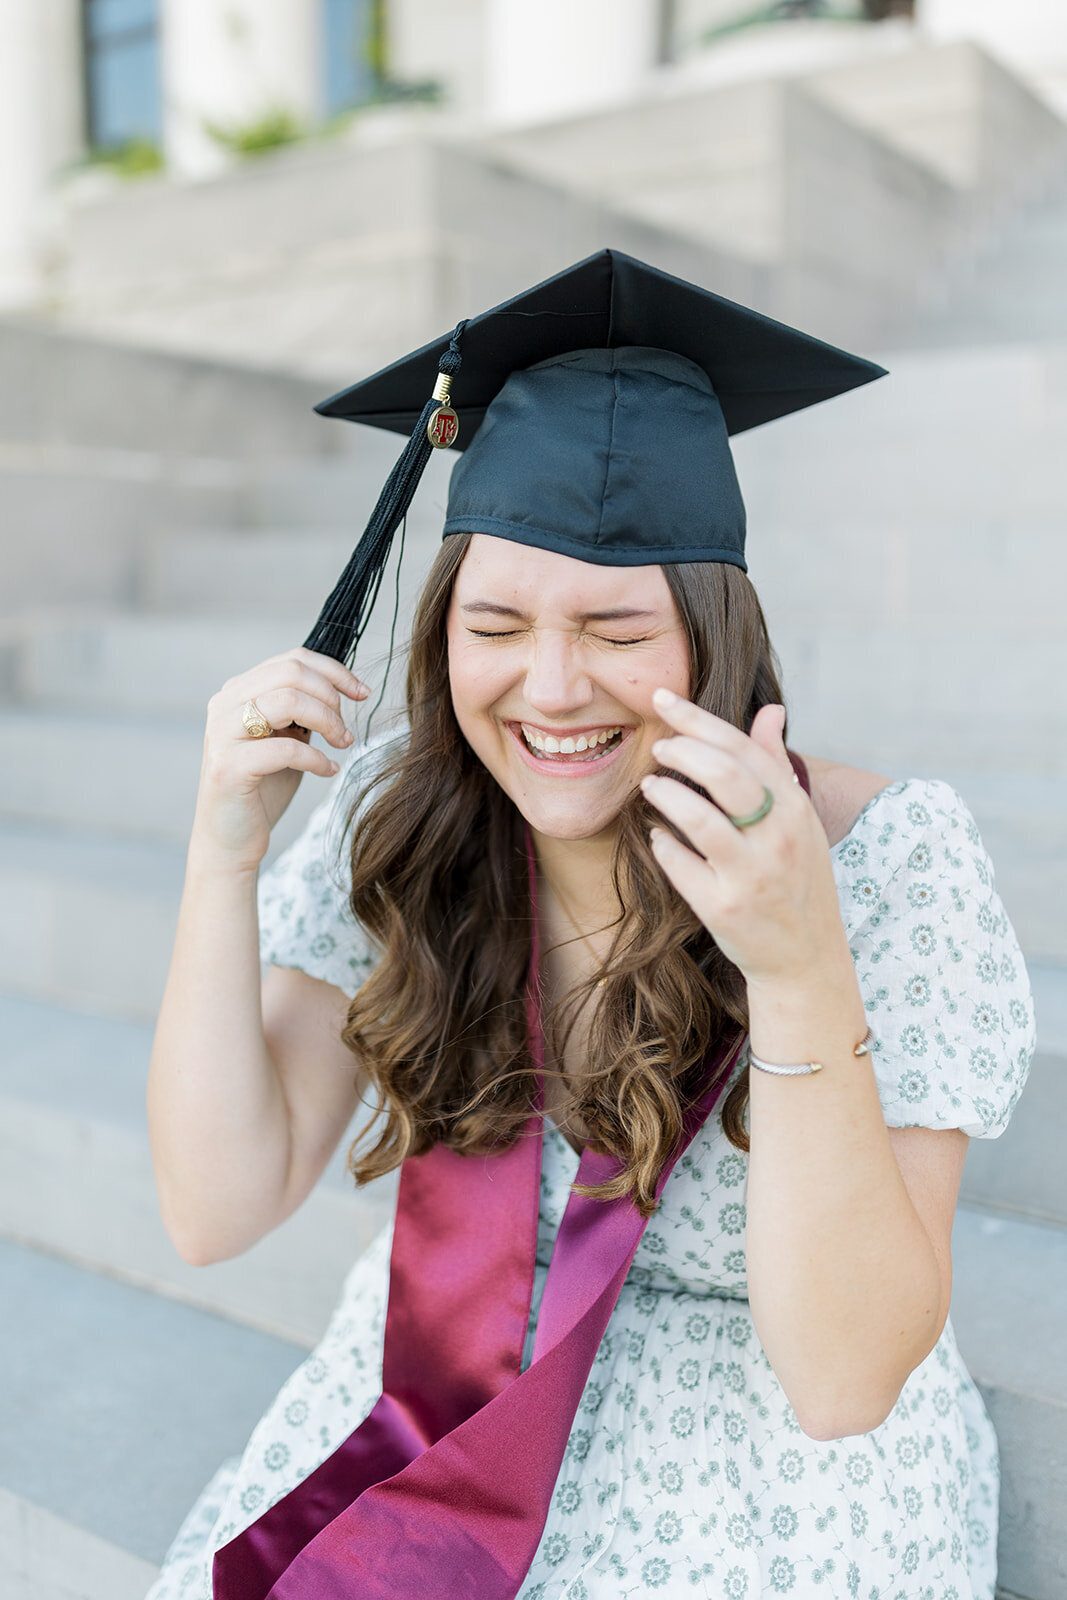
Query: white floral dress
{"type": "Point", "coordinates": [687, 1473]}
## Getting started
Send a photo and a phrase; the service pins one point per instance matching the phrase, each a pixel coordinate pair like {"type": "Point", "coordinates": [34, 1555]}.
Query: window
{"type": "Point", "coordinates": [354, 40]}
{"type": "Point", "coordinates": [123, 101]}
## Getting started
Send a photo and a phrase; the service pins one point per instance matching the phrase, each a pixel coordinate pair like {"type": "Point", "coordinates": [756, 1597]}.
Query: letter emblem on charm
{"type": "Point", "coordinates": [443, 428]}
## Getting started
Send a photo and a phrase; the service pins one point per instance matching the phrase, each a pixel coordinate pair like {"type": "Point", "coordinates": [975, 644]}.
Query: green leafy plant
{"type": "Point", "coordinates": [133, 158]}
{"type": "Point", "coordinates": [267, 132]}
{"type": "Point", "coordinates": [786, 10]}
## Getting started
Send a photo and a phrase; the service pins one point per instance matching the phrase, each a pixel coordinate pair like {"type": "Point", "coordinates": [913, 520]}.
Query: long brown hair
{"type": "Point", "coordinates": [440, 882]}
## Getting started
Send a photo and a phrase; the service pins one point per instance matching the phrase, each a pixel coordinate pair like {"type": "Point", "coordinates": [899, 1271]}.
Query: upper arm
{"type": "Point", "coordinates": [931, 1164]}
{"type": "Point", "coordinates": [319, 1076]}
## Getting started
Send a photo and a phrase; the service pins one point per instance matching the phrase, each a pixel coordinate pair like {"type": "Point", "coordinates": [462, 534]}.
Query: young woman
{"type": "Point", "coordinates": [557, 917]}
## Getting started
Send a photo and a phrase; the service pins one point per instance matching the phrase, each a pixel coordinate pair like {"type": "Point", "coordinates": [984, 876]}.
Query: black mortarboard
{"type": "Point", "coordinates": [594, 411]}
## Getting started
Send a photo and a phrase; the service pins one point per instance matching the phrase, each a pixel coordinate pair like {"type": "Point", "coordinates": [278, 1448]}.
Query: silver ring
{"type": "Point", "coordinates": [256, 724]}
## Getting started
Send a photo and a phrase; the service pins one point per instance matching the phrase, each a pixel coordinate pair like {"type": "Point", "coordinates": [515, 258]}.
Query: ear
{"type": "Point", "coordinates": [766, 730]}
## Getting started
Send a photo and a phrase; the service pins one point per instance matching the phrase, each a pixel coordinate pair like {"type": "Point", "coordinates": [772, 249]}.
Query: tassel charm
{"type": "Point", "coordinates": [443, 427]}
{"type": "Point", "coordinates": [344, 617]}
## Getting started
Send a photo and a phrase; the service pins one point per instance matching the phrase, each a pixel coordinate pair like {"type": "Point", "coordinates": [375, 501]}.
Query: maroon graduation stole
{"type": "Point", "coordinates": [445, 1486]}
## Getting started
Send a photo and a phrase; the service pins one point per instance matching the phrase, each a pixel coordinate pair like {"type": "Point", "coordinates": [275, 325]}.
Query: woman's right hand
{"type": "Point", "coordinates": [246, 783]}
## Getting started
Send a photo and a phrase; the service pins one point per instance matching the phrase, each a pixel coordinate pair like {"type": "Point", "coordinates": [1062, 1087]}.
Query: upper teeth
{"type": "Point", "coordinates": [570, 745]}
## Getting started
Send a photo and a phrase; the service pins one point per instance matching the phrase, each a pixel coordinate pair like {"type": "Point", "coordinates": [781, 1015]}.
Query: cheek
{"type": "Point", "coordinates": [667, 671]}
{"type": "Point", "coordinates": [473, 685]}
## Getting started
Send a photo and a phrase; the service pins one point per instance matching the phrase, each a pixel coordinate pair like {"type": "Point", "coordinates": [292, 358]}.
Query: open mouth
{"type": "Point", "coordinates": [583, 747]}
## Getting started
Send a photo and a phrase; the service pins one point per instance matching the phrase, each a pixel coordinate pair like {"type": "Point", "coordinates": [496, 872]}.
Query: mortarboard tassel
{"type": "Point", "coordinates": [344, 617]}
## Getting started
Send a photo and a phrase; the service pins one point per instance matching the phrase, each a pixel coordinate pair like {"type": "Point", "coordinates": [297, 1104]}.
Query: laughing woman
{"type": "Point", "coordinates": [676, 1036]}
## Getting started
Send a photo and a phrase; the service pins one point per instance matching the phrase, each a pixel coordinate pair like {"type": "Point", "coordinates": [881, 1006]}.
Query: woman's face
{"type": "Point", "coordinates": [552, 663]}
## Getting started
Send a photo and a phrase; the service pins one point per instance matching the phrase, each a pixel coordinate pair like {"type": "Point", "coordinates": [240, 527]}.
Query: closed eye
{"type": "Point", "coordinates": [510, 633]}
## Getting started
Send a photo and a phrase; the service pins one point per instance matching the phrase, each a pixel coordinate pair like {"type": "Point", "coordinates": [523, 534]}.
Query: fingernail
{"type": "Point", "coordinates": [334, 767]}
{"type": "Point", "coordinates": [666, 697]}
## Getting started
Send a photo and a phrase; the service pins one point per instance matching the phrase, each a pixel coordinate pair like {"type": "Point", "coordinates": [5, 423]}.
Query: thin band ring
{"type": "Point", "coordinates": [754, 816]}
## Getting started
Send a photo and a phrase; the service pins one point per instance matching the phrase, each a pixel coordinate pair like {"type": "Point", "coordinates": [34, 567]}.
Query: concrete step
{"type": "Point", "coordinates": [137, 779]}
{"type": "Point", "coordinates": [114, 500]}
{"type": "Point", "coordinates": [119, 1405]}
{"type": "Point", "coordinates": [155, 401]}
{"type": "Point", "coordinates": [87, 920]}
{"type": "Point", "coordinates": [1009, 1310]}
{"type": "Point", "coordinates": [164, 667]}
{"type": "Point", "coordinates": [902, 571]}
{"type": "Point", "coordinates": [904, 693]}
{"type": "Point", "coordinates": [45, 1557]}
{"type": "Point", "coordinates": [284, 573]}
{"type": "Point", "coordinates": [90, 659]}
{"type": "Point", "coordinates": [341, 492]}
{"type": "Point", "coordinates": [76, 1180]}
{"type": "Point", "coordinates": [953, 107]}
{"type": "Point", "coordinates": [1011, 289]}
{"type": "Point", "coordinates": [87, 917]}
{"type": "Point", "coordinates": [923, 479]}
{"type": "Point", "coordinates": [133, 775]}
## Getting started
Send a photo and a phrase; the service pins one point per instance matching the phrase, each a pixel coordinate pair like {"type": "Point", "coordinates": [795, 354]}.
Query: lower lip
{"type": "Point", "coordinates": [566, 769]}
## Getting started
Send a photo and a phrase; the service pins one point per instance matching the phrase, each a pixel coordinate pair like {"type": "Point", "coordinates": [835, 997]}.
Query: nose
{"type": "Point", "coordinates": [556, 684]}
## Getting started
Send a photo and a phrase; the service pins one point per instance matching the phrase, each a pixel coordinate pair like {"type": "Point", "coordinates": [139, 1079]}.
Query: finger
{"type": "Point", "coordinates": [730, 782]}
{"type": "Point", "coordinates": [287, 705]}
{"type": "Point", "coordinates": [704, 825]}
{"type": "Point", "coordinates": [311, 671]}
{"type": "Point", "coordinates": [687, 871]}
{"type": "Point", "coordinates": [686, 718]}
{"type": "Point", "coordinates": [336, 671]}
{"type": "Point", "coordinates": [258, 758]}
{"type": "Point", "coordinates": [278, 672]}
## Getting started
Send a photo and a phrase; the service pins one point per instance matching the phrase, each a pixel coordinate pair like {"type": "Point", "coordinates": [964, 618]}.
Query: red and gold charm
{"type": "Point", "coordinates": [443, 427]}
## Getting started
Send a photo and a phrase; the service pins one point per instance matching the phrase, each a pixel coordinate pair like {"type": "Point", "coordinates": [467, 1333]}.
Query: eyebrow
{"type": "Point", "coordinates": [612, 614]}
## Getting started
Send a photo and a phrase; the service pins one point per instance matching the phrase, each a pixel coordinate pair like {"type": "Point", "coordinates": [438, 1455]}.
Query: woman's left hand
{"type": "Point", "coordinates": [766, 893]}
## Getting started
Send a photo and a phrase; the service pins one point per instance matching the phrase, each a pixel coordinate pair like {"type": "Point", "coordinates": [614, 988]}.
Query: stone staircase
{"type": "Point", "coordinates": [896, 536]}
{"type": "Point", "coordinates": [828, 196]}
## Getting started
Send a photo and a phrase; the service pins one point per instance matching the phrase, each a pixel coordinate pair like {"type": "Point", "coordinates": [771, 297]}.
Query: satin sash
{"type": "Point", "coordinates": [444, 1488]}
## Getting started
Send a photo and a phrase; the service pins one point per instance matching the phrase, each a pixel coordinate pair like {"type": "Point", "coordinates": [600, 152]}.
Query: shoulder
{"type": "Point", "coordinates": [910, 819]}
{"type": "Point", "coordinates": [839, 793]}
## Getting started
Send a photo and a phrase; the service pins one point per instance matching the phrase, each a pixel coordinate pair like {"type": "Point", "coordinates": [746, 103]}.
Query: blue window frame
{"type": "Point", "coordinates": [352, 36]}
{"type": "Point", "coordinates": [123, 98]}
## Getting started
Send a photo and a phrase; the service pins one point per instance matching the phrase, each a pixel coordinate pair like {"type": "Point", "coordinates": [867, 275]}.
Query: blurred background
{"type": "Point", "coordinates": [214, 213]}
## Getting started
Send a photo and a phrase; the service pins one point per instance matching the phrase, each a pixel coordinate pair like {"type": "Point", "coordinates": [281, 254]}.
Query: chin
{"type": "Point", "coordinates": [569, 824]}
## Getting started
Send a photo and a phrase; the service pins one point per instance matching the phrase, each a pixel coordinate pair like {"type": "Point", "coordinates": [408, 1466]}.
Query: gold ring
{"type": "Point", "coordinates": [754, 816]}
{"type": "Point", "coordinates": [256, 724]}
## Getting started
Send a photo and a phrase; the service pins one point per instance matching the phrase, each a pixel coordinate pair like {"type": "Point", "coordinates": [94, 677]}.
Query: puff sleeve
{"type": "Point", "coordinates": [944, 983]}
{"type": "Point", "coordinates": [304, 917]}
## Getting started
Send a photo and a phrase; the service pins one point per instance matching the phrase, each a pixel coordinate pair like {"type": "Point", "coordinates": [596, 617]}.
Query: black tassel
{"type": "Point", "coordinates": [343, 619]}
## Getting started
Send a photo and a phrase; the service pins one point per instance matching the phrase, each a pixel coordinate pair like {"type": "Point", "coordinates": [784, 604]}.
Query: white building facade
{"type": "Point", "coordinates": [186, 84]}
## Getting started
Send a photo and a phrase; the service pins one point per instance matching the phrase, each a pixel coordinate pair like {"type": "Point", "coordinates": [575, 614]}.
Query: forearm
{"type": "Point", "coordinates": [844, 1284]}
{"type": "Point", "coordinates": [217, 1116]}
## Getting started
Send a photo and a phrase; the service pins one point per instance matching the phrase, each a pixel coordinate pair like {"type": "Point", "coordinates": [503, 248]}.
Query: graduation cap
{"type": "Point", "coordinates": [594, 413]}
